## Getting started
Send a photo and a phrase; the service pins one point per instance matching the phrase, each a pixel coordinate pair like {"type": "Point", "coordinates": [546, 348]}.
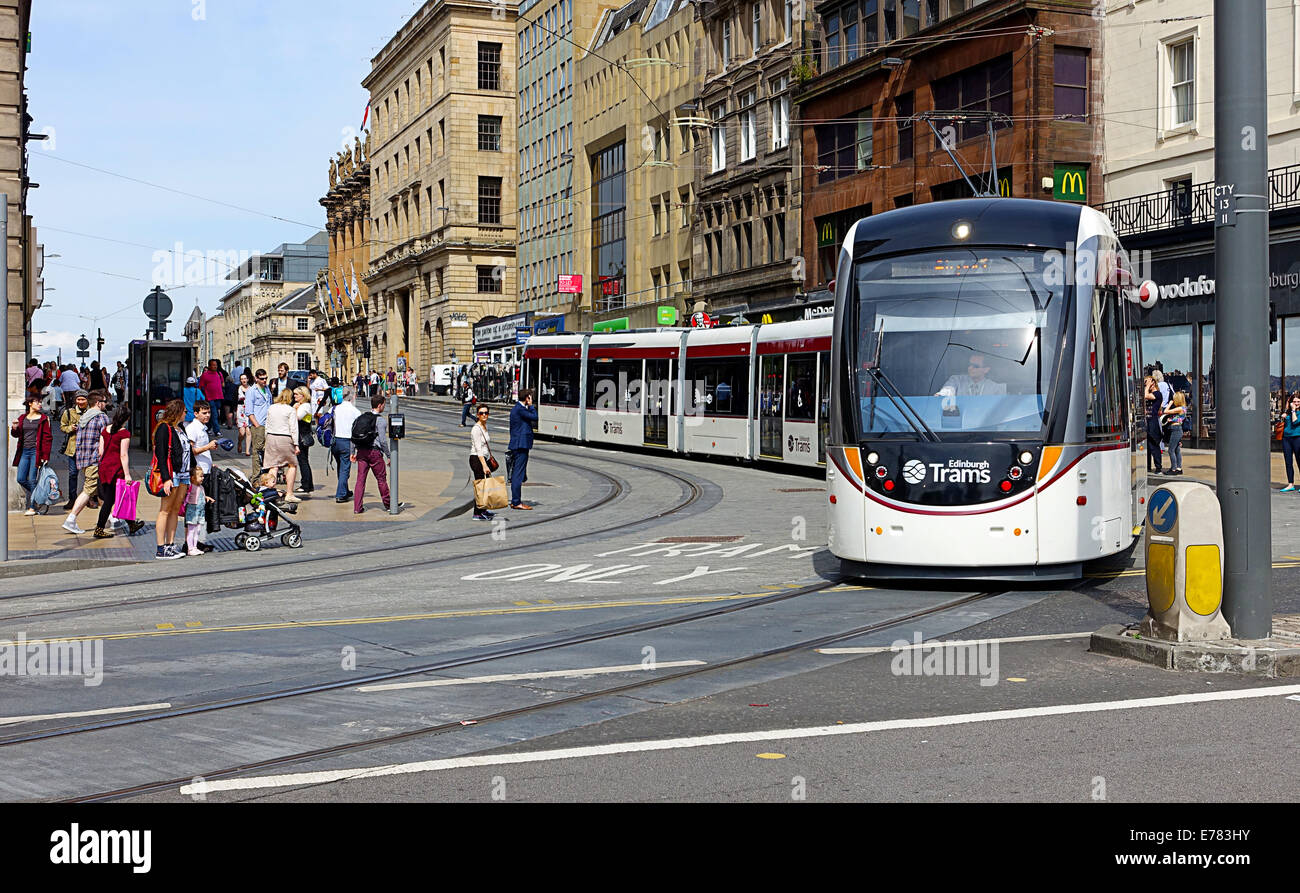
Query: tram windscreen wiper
{"type": "Point", "coordinates": [905, 409]}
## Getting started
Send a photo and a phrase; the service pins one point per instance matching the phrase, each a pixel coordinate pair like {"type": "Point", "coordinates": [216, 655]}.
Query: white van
{"type": "Point", "coordinates": [440, 377]}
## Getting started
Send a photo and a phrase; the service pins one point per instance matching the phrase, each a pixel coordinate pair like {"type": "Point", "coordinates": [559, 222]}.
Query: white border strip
{"type": "Point", "coordinates": [550, 674]}
{"type": "Point", "coordinates": [570, 753]}
{"type": "Point", "coordinates": [955, 643]}
{"type": "Point", "coordinates": [13, 720]}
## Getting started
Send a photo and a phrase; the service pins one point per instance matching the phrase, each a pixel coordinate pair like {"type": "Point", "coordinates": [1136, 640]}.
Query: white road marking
{"type": "Point", "coordinates": [570, 753]}
{"type": "Point", "coordinates": [939, 643]}
{"type": "Point", "coordinates": [550, 674]}
{"type": "Point", "coordinates": [12, 720]}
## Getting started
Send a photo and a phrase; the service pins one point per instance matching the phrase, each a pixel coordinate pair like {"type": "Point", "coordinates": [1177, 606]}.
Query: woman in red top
{"type": "Point", "coordinates": [114, 448]}
{"type": "Point", "coordinates": [35, 433]}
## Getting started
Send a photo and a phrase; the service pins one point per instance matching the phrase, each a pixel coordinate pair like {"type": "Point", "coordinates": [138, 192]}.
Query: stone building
{"type": "Point", "coordinates": [24, 290]}
{"type": "Point", "coordinates": [550, 35]}
{"type": "Point", "coordinates": [747, 163]}
{"type": "Point", "coordinates": [339, 313]}
{"type": "Point", "coordinates": [283, 332]}
{"type": "Point", "coordinates": [879, 77]}
{"type": "Point", "coordinates": [442, 182]}
{"type": "Point", "coordinates": [264, 281]}
{"type": "Point", "coordinates": [633, 186]}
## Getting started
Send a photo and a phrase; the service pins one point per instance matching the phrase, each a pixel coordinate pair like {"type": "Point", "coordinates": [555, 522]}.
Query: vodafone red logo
{"type": "Point", "coordinates": [1147, 294]}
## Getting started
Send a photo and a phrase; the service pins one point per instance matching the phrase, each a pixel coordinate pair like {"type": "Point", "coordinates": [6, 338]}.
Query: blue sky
{"type": "Point", "coordinates": [236, 100]}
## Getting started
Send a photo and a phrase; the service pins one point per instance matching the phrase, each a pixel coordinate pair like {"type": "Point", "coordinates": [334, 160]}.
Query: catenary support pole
{"type": "Point", "coordinates": [4, 370]}
{"type": "Point", "coordinates": [1242, 396]}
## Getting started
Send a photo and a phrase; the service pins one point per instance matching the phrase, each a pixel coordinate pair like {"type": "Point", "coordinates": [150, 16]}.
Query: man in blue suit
{"type": "Point", "coordinates": [522, 419]}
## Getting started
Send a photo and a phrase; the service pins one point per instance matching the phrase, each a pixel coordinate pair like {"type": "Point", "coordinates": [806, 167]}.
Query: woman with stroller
{"type": "Point", "coordinates": [171, 453]}
{"type": "Point", "coordinates": [33, 452]}
{"type": "Point", "coordinates": [302, 409]}
{"type": "Point", "coordinates": [282, 441]}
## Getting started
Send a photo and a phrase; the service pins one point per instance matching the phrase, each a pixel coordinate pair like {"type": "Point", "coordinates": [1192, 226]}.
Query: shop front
{"type": "Point", "coordinates": [1177, 330]}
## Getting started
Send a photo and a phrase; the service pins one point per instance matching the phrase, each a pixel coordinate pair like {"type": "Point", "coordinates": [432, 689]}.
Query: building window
{"type": "Point", "coordinates": [1071, 83]}
{"type": "Point", "coordinates": [304, 361]}
{"type": "Point", "coordinates": [747, 126]}
{"type": "Point", "coordinates": [891, 20]}
{"type": "Point", "coordinates": [1182, 82]}
{"type": "Point", "coordinates": [489, 201]}
{"type": "Point", "coordinates": [911, 17]}
{"type": "Point", "coordinates": [718, 138]}
{"type": "Point", "coordinates": [489, 66]}
{"type": "Point", "coordinates": [726, 43]}
{"type": "Point", "coordinates": [981, 88]}
{"type": "Point", "coordinates": [904, 108]}
{"type": "Point", "coordinates": [609, 213]}
{"type": "Point", "coordinates": [833, 39]}
{"type": "Point", "coordinates": [489, 281]}
{"type": "Point", "coordinates": [780, 113]}
{"type": "Point", "coordinates": [775, 238]}
{"type": "Point", "coordinates": [489, 133]}
{"type": "Point", "coordinates": [304, 324]}
{"type": "Point", "coordinates": [789, 18]}
{"type": "Point", "coordinates": [844, 148]}
{"type": "Point", "coordinates": [756, 28]}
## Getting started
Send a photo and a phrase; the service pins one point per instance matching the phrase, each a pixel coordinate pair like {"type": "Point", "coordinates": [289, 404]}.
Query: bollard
{"type": "Point", "coordinates": [1184, 567]}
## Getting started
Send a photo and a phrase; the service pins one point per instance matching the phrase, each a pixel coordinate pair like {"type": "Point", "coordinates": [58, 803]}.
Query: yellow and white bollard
{"type": "Point", "coordinates": [1184, 569]}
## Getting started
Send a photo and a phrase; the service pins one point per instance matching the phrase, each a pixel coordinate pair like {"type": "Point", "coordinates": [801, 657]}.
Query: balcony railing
{"type": "Point", "coordinates": [1178, 207]}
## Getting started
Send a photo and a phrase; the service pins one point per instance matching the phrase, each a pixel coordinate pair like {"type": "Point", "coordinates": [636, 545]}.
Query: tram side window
{"type": "Point", "coordinates": [801, 389]}
{"type": "Point", "coordinates": [1106, 373]}
{"type": "Point", "coordinates": [559, 382]}
{"type": "Point", "coordinates": [614, 385]}
{"type": "Point", "coordinates": [718, 387]}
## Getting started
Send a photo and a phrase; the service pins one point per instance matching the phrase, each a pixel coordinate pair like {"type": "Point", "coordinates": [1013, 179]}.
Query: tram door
{"type": "Point", "coordinates": [771, 389]}
{"type": "Point", "coordinates": [823, 404]}
{"type": "Point", "coordinates": [654, 389]}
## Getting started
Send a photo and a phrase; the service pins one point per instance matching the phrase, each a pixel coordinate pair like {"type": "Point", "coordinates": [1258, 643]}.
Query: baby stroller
{"type": "Point", "coordinates": [259, 513]}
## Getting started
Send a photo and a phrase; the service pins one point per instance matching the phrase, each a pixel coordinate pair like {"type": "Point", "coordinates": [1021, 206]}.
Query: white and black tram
{"type": "Point", "coordinates": [983, 385]}
{"type": "Point", "coordinates": [756, 393]}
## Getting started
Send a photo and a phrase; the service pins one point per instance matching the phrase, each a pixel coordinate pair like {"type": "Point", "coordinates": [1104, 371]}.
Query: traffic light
{"type": "Point", "coordinates": [99, 342]}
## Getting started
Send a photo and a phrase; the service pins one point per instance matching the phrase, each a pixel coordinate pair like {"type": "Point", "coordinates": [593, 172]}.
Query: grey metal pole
{"type": "Point", "coordinates": [1242, 397]}
{"type": "Point", "coordinates": [393, 501]}
{"type": "Point", "coordinates": [4, 369]}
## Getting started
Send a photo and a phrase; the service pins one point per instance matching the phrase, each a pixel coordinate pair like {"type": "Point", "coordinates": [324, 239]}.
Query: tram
{"type": "Point", "coordinates": [985, 388]}
{"type": "Point", "coordinates": [754, 393]}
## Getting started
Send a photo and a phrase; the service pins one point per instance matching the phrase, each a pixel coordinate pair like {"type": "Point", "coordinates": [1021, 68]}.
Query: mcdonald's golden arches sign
{"type": "Point", "coordinates": [1070, 183]}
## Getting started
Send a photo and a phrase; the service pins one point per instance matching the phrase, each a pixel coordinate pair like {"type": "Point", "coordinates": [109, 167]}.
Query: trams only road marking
{"type": "Point", "coordinates": [549, 674]}
{"type": "Point", "coordinates": [573, 753]}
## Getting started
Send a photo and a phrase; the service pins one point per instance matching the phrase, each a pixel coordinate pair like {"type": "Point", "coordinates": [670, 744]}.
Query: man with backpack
{"type": "Point", "coordinates": [345, 417]}
{"type": "Point", "coordinates": [368, 451]}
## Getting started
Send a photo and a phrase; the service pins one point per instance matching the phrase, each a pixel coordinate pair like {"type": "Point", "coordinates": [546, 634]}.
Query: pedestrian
{"type": "Point", "coordinates": [480, 458]}
{"type": "Point", "coordinates": [317, 386]}
{"type": "Point", "coordinates": [1174, 419]}
{"type": "Point", "coordinates": [33, 370]}
{"type": "Point", "coordinates": [192, 394]}
{"type": "Point", "coordinates": [171, 453]}
{"type": "Point", "coordinates": [345, 415]}
{"type": "Point", "coordinates": [374, 383]}
{"type": "Point", "coordinates": [212, 383]}
{"type": "Point", "coordinates": [36, 439]}
{"type": "Point", "coordinates": [52, 399]}
{"type": "Point", "coordinates": [201, 447]}
{"type": "Point", "coordinates": [302, 409]}
{"type": "Point", "coordinates": [523, 418]}
{"type": "Point", "coordinates": [1154, 433]}
{"type": "Point", "coordinates": [91, 425]}
{"type": "Point", "coordinates": [256, 404]}
{"type": "Point", "coordinates": [467, 403]}
{"type": "Point", "coordinates": [282, 441]}
{"type": "Point", "coordinates": [68, 423]}
{"type": "Point", "coordinates": [70, 382]}
{"type": "Point", "coordinates": [369, 451]}
{"type": "Point", "coordinates": [359, 383]}
{"type": "Point", "coordinates": [281, 384]}
{"type": "Point", "coordinates": [119, 381]}
{"type": "Point", "coordinates": [241, 417]}
{"type": "Point", "coordinates": [229, 399]}
{"type": "Point", "coordinates": [114, 466]}
{"type": "Point", "coordinates": [98, 377]}
{"type": "Point", "coordinates": [195, 512]}
{"type": "Point", "coordinates": [1291, 440]}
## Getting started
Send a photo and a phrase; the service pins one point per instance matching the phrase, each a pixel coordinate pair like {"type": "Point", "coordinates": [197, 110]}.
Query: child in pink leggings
{"type": "Point", "coordinates": [195, 517]}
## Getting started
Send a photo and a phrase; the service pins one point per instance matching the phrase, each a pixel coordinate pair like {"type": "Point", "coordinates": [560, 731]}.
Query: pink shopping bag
{"type": "Point", "coordinates": [127, 494]}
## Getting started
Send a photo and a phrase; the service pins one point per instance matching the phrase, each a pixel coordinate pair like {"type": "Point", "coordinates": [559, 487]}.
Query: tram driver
{"type": "Point", "coordinates": [975, 383]}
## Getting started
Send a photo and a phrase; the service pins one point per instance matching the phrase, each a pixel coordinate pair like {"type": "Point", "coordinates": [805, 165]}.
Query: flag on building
{"type": "Point", "coordinates": [355, 291]}
{"type": "Point", "coordinates": [344, 280]}
{"type": "Point", "coordinates": [365, 118]}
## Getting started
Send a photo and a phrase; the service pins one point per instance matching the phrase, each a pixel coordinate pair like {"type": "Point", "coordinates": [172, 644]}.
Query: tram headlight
{"type": "Point", "coordinates": [961, 230]}
{"type": "Point", "coordinates": [1026, 457]}
{"type": "Point", "coordinates": [873, 458]}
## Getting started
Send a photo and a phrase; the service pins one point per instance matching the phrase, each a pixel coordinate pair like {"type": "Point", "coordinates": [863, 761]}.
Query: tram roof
{"type": "Point", "coordinates": [994, 221]}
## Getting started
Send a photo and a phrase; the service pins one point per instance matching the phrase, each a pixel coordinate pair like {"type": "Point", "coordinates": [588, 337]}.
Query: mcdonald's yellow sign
{"type": "Point", "coordinates": [1004, 187]}
{"type": "Point", "coordinates": [826, 234]}
{"type": "Point", "coordinates": [1070, 183]}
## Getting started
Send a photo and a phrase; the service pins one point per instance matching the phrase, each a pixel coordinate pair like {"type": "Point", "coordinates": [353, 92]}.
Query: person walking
{"type": "Point", "coordinates": [345, 416]}
{"type": "Point", "coordinates": [368, 451]}
{"type": "Point", "coordinates": [1154, 434]}
{"type": "Point", "coordinates": [113, 467]}
{"type": "Point", "coordinates": [89, 428]}
{"type": "Point", "coordinates": [241, 417]}
{"type": "Point", "coordinates": [98, 377]}
{"type": "Point", "coordinates": [171, 452]}
{"type": "Point", "coordinates": [317, 386]}
{"type": "Point", "coordinates": [201, 447]}
{"type": "Point", "coordinates": [1174, 418]}
{"type": "Point", "coordinates": [192, 394]}
{"type": "Point", "coordinates": [467, 403]}
{"type": "Point", "coordinates": [68, 422]}
{"type": "Point", "coordinates": [213, 384]}
{"type": "Point", "coordinates": [70, 382]}
{"type": "Point", "coordinates": [523, 418]}
{"type": "Point", "coordinates": [480, 452]}
{"type": "Point", "coordinates": [229, 400]}
{"type": "Point", "coordinates": [1291, 440]}
{"type": "Point", "coordinates": [196, 512]}
{"type": "Point", "coordinates": [282, 441]}
{"type": "Point", "coordinates": [257, 402]}
{"type": "Point", "coordinates": [35, 440]}
{"type": "Point", "coordinates": [281, 384]}
{"type": "Point", "coordinates": [305, 414]}
{"type": "Point", "coordinates": [119, 382]}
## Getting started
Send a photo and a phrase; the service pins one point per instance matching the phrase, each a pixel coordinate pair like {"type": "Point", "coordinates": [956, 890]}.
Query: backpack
{"type": "Point", "coordinates": [365, 431]}
{"type": "Point", "coordinates": [46, 491]}
{"type": "Point", "coordinates": [325, 429]}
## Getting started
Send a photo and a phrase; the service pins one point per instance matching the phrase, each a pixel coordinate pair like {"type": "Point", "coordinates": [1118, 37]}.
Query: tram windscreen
{"type": "Point", "coordinates": [962, 342]}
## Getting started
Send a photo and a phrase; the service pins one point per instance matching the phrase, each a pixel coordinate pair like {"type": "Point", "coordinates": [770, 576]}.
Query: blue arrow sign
{"type": "Point", "coordinates": [1162, 511]}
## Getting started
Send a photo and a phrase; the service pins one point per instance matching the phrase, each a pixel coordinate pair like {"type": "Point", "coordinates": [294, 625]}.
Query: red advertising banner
{"type": "Point", "coordinates": [570, 284]}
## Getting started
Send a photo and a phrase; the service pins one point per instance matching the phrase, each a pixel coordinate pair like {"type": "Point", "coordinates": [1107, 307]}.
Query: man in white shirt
{"type": "Point", "coordinates": [317, 386]}
{"type": "Point", "coordinates": [345, 414]}
{"type": "Point", "coordinates": [201, 448]}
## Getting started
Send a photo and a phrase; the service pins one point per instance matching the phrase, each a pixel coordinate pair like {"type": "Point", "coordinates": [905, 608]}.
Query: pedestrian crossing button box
{"type": "Point", "coordinates": [1184, 564]}
{"type": "Point", "coordinates": [396, 425]}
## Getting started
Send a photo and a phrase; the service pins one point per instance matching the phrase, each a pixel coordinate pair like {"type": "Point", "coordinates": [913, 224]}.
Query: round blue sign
{"type": "Point", "coordinates": [1162, 511]}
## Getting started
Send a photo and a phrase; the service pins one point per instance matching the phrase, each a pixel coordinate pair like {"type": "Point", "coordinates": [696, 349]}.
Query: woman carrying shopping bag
{"type": "Point", "coordinates": [115, 470]}
{"type": "Point", "coordinates": [489, 491]}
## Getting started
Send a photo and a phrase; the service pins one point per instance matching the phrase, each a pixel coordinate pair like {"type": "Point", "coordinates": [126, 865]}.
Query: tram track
{"type": "Point", "coordinates": [370, 743]}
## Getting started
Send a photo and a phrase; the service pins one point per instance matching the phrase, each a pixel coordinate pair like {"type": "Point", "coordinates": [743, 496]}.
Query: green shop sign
{"type": "Point", "coordinates": [666, 316]}
{"type": "Point", "coordinates": [1070, 183]}
{"type": "Point", "coordinates": [611, 325]}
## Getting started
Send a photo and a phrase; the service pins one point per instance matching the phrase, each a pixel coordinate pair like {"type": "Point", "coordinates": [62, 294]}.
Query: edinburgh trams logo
{"type": "Point", "coordinates": [914, 472]}
{"type": "Point", "coordinates": [955, 471]}
{"type": "Point", "coordinates": [615, 428]}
